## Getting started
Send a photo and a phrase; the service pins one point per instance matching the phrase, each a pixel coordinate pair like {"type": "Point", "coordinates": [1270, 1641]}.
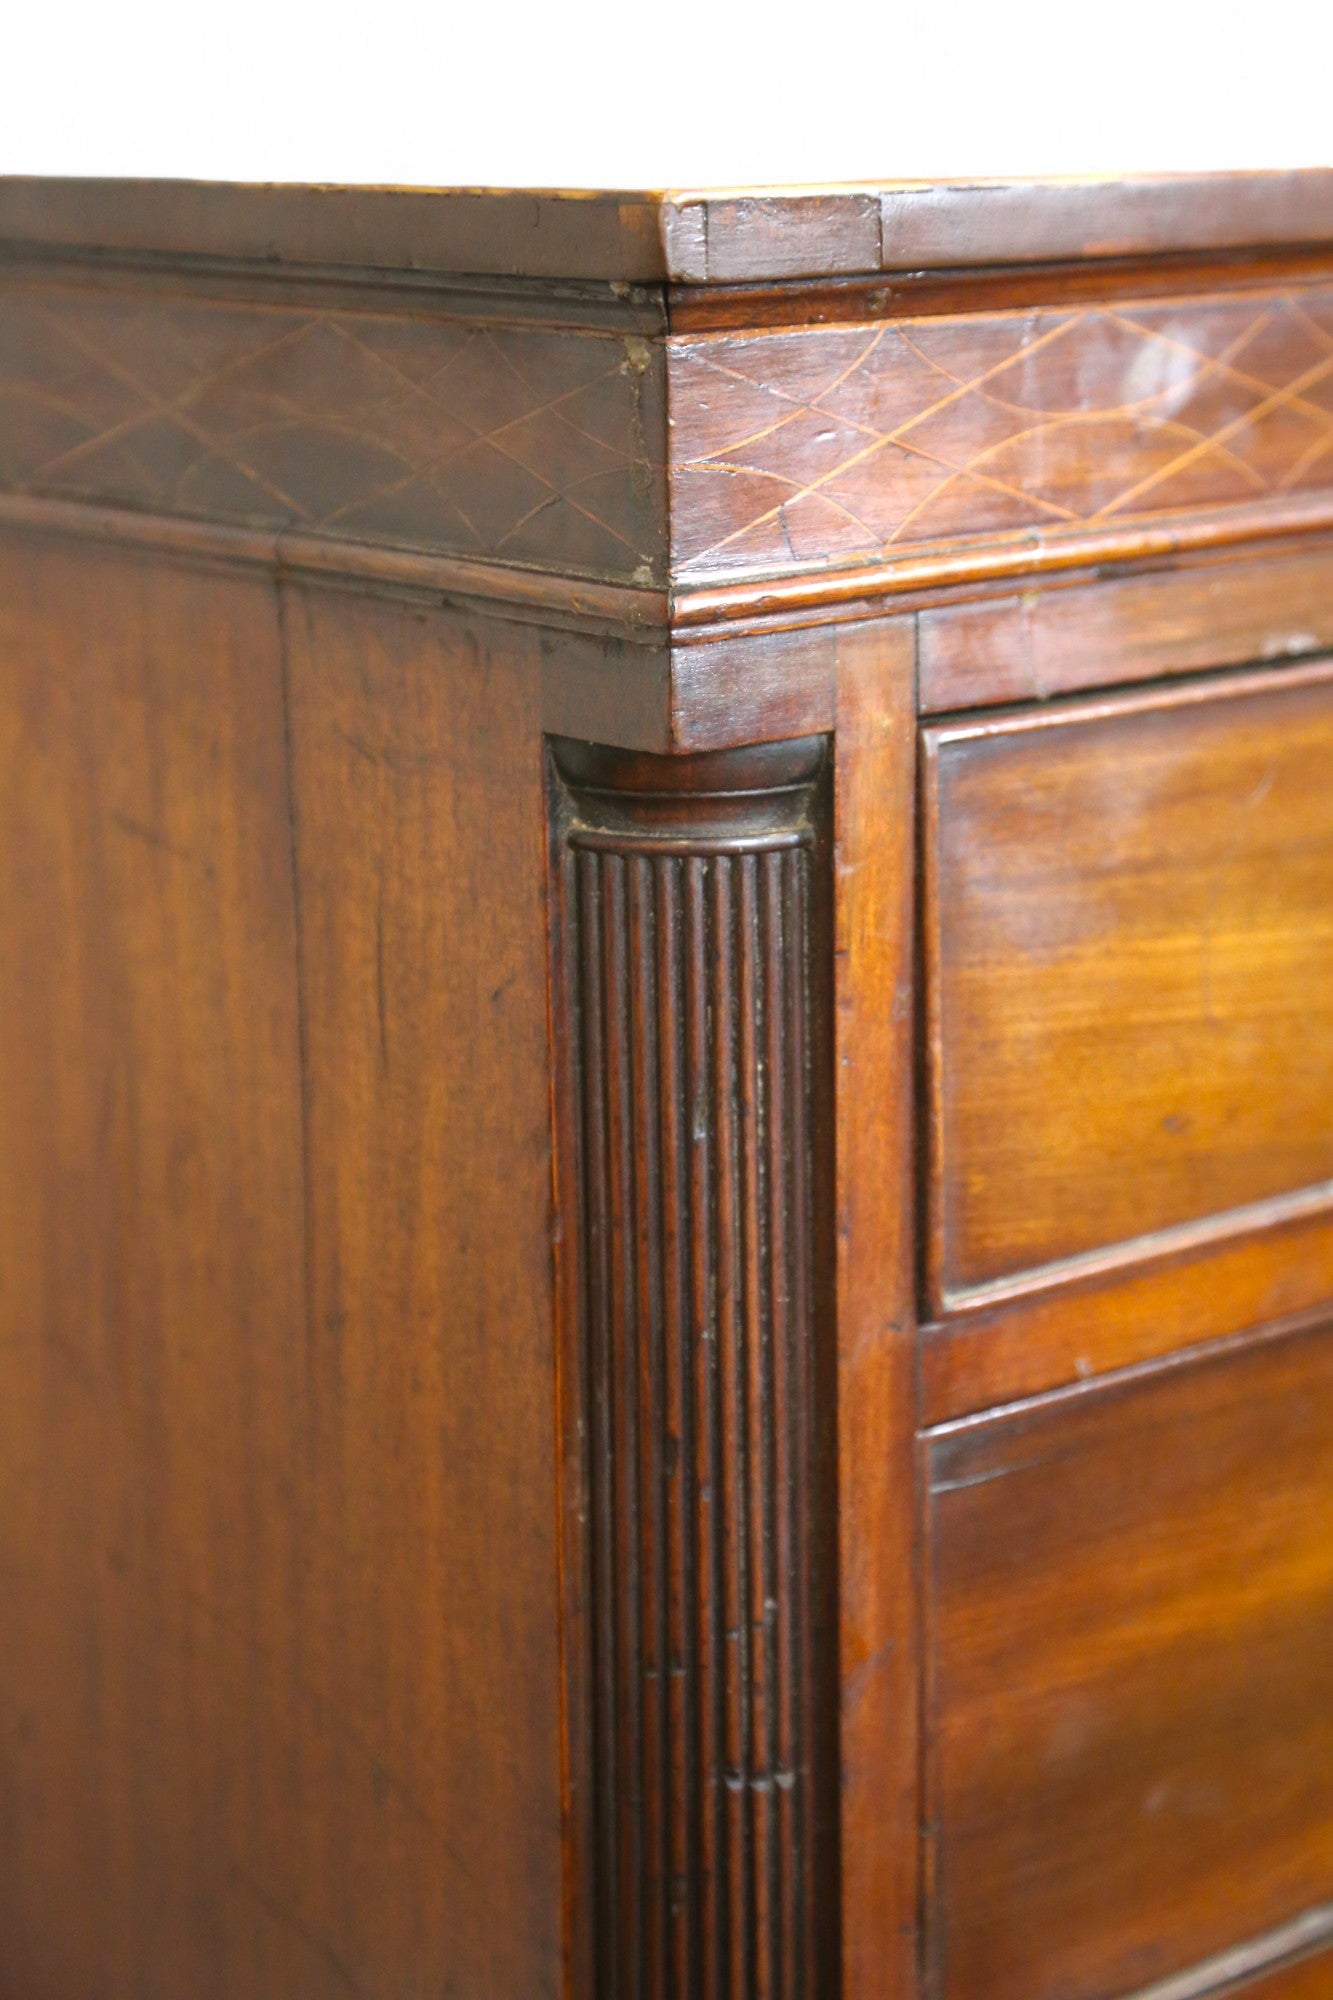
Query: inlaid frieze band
{"type": "Point", "coordinates": [835, 444]}
{"type": "Point", "coordinates": [414, 424]}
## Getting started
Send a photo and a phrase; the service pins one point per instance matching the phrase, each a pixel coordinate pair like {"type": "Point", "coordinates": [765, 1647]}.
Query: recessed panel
{"type": "Point", "coordinates": [1131, 1676]}
{"type": "Point", "coordinates": [1129, 946]}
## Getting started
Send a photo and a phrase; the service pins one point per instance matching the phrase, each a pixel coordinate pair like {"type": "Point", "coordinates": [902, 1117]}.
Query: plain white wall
{"type": "Point", "coordinates": [660, 92]}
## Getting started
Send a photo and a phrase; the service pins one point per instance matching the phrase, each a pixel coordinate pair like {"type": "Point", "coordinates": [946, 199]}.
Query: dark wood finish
{"type": "Point", "coordinates": [932, 294]}
{"type": "Point", "coordinates": [516, 232]}
{"type": "Point", "coordinates": [1130, 985]}
{"type": "Point", "coordinates": [688, 973]}
{"type": "Point", "coordinates": [666, 1197]}
{"type": "Point", "coordinates": [1132, 1684]}
{"type": "Point", "coordinates": [699, 237]}
{"type": "Point", "coordinates": [476, 433]}
{"type": "Point", "coordinates": [827, 444]}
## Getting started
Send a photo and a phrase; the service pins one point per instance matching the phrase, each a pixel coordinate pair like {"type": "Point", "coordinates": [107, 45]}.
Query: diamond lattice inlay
{"type": "Point", "coordinates": [522, 444]}
{"type": "Point", "coordinates": [831, 444]}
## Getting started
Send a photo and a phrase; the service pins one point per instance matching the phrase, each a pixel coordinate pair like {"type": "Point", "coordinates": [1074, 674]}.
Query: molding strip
{"type": "Point", "coordinates": [831, 596]}
{"type": "Point", "coordinates": [624, 608]}
{"type": "Point", "coordinates": [1230, 1971]}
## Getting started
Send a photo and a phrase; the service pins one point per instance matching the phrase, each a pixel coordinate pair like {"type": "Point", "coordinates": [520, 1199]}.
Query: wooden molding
{"type": "Point", "coordinates": [562, 450]}
{"type": "Point", "coordinates": [692, 899]}
{"type": "Point", "coordinates": [1126, 1315]}
{"type": "Point", "coordinates": [694, 236]}
{"type": "Point", "coordinates": [841, 591]}
{"type": "Point", "coordinates": [1242, 1973]}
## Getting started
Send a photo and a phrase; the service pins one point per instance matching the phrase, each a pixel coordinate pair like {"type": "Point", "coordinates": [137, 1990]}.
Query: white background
{"type": "Point", "coordinates": [660, 93]}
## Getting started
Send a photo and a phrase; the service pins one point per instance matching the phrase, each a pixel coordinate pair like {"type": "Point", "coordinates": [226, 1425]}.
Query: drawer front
{"type": "Point", "coordinates": [1129, 975]}
{"type": "Point", "coordinates": [1131, 1690]}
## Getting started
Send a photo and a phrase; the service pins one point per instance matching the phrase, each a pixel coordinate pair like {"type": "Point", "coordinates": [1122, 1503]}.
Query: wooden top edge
{"type": "Point", "coordinates": [683, 236]}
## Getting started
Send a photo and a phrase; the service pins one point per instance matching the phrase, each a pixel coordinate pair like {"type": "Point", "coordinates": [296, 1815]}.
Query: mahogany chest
{"type": "Point", "coordinates": [666, 1093]}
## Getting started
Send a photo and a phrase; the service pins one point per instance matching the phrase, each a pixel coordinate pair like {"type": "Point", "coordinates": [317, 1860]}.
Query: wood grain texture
{"type": "Point", "coordinates": [692, 1361]}
{"type": "Point", "coordinates": [276, 1472]}
{"type": "Point", "coordinates": [1126, 1313]}
{"type": "Point", "coordinates": [431, 1476]}
{"type": "Point", "coordinates": [1121, 629]}
{"type": "Point", "coordinates": [158, 1697]}
{"type": "Point", "coordinates": [923, 293]}
{"type": "Point", "coordinates": [877, 1496]}
{"type": "Point", "coordinates": [1132, 1701]}
{"type": "Point", "coordinates": [393, 422]}
{"type": "Point", "coordinates": [1130, 970]}
{"type": "Point", "coordinates": [698, 236]}
{"type": "Point", "coordinates": [687, 959]}
{"type": "Point", "coordinates": [828, 445]}
{"type": "Point", "coordinates": [509, 231]}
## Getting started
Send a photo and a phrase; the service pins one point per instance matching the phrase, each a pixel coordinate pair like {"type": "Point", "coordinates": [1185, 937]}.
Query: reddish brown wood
{"type": "Point", "coordinates": [877, 1506]}
{"type": "Point", "coordinates": [1290, 1963]}
{"type": "Point", "coordinates": [429, 1531]}
{"type": "Point", "coordinates": [928, 294]}
{"type": "Point", "coordinates": [466, 1216]}
{"type": "Point", "coordinates": [160, 1744]}
{"type": "Point", "coordinates": [272, 1404]}
{"type": "Point", "coordinates": [1125, 629]}
{"type": "Point", "coordinates": [802, 448]}
{"type": "Point", "coordinates": [1132, 1707]}
{"type": "Point", "coordinates": [922, 577]}
{"type": "Point", "coordinates": [1130, 975]}
{"type": "Point", "coordinates": [1307, 1979]}
{"type": "Point", "coordinates": [1118, 1316]}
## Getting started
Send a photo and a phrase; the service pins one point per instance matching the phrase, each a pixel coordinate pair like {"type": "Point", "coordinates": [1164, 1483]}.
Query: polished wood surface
{"type": "Point", "coordinates": [1132, 1683]}
{"type": "Point", "coordinates": [1307, 1979]}
{"type": "Point", "coordinates": [828, 444]}
{"type": "Point", "coordinates": [1140, 627]}
{"type": "Point", "coordinates": [880, 1649]}
{"type": "Point", "coordinates": [1130, 973]}
{"type": "Point", "coordinates": [276, 1358]}
{"type": "Point", "coordinates": [1166, 1296]}
{"type": "Point", "coordinates": [695, 236]}
{"type": "Point", "coordinates": [666, 1204]}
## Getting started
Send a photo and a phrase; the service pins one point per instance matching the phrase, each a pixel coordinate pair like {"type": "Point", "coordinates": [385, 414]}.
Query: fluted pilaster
{"type": "Point", "coordinates": [689, 1000]}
